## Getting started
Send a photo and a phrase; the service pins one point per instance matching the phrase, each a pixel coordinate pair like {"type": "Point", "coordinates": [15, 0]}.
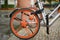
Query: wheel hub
{"type": "Point", "coordinates": [23, 24]}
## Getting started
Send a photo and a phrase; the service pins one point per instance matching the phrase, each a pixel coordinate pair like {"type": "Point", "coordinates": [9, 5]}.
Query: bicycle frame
{"type": "Point", "coordinates": [44, 14]}
{"type": "Point", "coordinates": [58, 14]}
{"type": "Point", "coordinates": [46, 17]}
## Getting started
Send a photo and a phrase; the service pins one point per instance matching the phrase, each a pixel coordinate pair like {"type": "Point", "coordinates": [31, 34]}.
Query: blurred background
{"type": "Point", "coordinates": [9, 4]}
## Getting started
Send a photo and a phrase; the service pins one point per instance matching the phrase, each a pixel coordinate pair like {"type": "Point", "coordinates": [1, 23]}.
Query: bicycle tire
{"type": "Point", "coordinates": [15, 30]}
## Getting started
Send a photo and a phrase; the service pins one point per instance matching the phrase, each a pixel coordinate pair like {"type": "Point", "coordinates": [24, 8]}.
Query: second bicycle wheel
{"type": "Point", "coordinates": [23, 24]}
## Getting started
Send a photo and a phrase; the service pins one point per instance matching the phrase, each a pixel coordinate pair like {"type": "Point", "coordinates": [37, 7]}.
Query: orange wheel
{"type": "Point", "coordinates": [22, 26]}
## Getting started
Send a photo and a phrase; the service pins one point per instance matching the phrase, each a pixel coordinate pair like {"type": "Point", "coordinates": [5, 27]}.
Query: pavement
{"type": "Point", "coordinates": [4, 24]}
{"type": "Point", "coordinates": [41, 35]}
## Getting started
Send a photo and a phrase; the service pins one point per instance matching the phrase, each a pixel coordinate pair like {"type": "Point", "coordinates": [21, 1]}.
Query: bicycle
{"type": "Point", "coordinates": [25, 22]}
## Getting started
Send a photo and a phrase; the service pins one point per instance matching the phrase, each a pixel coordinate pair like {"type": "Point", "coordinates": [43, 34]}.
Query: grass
{"type": "Point", "coordinates": [9, 6]}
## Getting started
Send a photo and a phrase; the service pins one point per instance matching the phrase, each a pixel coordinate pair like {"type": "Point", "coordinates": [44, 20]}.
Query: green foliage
{"type": "Point", "coordinates": [49, 1]}
{"type": "Point", "coordinates": [9, 6]}
{"type": "Point", "coordinates": [6, 4]}
{"type": "Point", "coordinates": [44, 0]}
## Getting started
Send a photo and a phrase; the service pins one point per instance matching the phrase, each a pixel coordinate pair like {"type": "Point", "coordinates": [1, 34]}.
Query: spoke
{"type": "Point", "coordinates": [17, 19]}
{"type": "Point", "coordinates": [19, 28]}
{"type": "Point", "coordinates": [28, 29]}
{"type": "Point", "coordinates": [26, 14]}
{"type": "Point", "coordinates": [31, 22]}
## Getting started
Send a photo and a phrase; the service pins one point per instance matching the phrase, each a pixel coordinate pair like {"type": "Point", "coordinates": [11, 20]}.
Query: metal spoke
{"type": "Point", "coordinates": [19, 28]}
{"type": "Point", "coordinates": [30, 29]}
{"type": "Point", "coordinates": [31, 22]}
{"type": "Point", "coordinates": [17, 19]}
{"type": "Point", "coordinates": [26, 14]}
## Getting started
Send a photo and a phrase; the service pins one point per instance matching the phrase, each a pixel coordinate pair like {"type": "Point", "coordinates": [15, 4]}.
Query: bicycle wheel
{"type": "Point", "coordinates": [23, 24]}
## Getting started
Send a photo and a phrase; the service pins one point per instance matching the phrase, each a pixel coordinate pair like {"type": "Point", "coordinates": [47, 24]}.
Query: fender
{"type": "Point", "coordinates": [13, 12]}
{"type": "Point", "coordinates": [31, 9]}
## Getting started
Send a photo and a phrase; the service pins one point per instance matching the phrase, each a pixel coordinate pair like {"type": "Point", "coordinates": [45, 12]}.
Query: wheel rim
{"type": "Point", "coordinates": [28, 30]}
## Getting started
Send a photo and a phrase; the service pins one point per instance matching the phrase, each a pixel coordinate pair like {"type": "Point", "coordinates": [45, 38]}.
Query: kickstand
{"type": "Point", "coordinates": [47, 24]}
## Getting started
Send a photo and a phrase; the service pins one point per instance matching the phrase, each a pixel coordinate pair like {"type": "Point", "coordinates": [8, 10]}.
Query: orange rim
{"type": "Point", "coordinates": [27, 28]}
